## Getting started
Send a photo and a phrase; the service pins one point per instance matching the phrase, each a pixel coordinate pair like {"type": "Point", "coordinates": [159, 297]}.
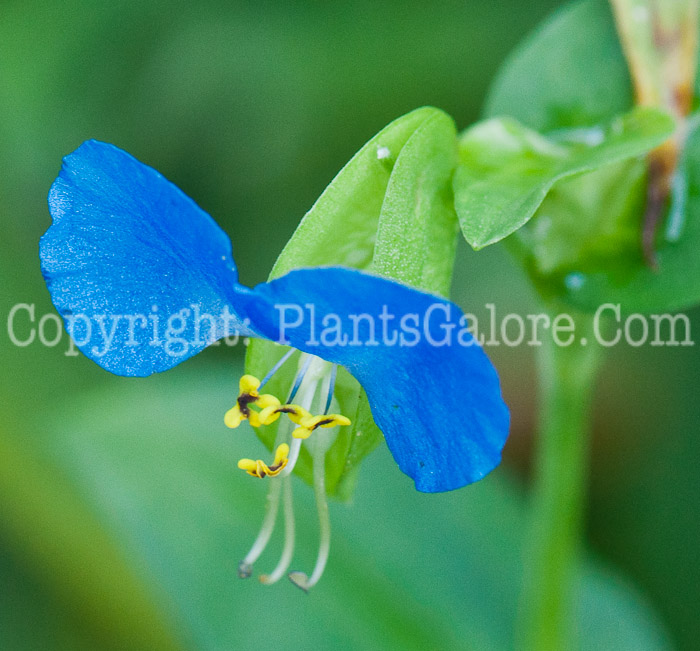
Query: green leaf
{"type": "Point", "coordinates": [570, 72]}
{"type": "Point", "coordinates": [389, 211]}
{"type": "Point", "coordinates": [50, 533]}
{"type": "Point", "coordinates": [152, 461]}
{"type": "Point", "coordinates": [23, 603]}
{"type": "Point", "coordinates": [506, 170]}
{"type": "Point", "coordinates": [598, 219]}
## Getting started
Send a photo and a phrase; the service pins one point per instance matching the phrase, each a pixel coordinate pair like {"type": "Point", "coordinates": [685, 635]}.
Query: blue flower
{"type": "Point", "coordinates": [129, 252]}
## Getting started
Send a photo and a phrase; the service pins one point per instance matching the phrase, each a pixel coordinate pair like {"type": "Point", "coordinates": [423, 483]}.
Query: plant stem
{"type": "Point", "coordinates": [567, 376]}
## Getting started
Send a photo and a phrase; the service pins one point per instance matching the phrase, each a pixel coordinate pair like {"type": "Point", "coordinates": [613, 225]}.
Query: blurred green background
{"type": "Point", "coordinates": [122, 516]}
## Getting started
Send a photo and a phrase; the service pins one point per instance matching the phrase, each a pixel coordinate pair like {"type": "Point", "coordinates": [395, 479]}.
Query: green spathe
{"type": "Point", "coordinates": [389, 210]}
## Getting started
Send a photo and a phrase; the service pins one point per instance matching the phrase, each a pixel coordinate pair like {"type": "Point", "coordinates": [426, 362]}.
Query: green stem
{"type": "Point", "coordinates": [567, 376]}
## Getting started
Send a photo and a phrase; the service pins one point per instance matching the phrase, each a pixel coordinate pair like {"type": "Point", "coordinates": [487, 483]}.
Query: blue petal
{"type": "Point", "coordinates": [439, 406]}
{"type": "Point", "coordinates": [125, 242]}
{"type": "Point", "coordinates": [127, 246]}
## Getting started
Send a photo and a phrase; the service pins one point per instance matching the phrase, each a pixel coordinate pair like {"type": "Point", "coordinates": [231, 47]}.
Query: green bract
{"type": "Point", "coordinates": [389, 210]}
{"type": "Point", "coordinates": [570, 72]}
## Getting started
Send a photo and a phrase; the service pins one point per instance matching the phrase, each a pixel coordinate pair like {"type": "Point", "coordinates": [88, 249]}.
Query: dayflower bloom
{"type": "Point", "coordinates": [128, 250]}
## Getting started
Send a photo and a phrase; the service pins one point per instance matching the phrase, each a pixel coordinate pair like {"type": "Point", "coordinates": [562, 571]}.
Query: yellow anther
{"type": "Point", "coordinates": [301, 433]}
{"type": "Point", "coordinates": [233, 417]}
{"type": "Point", "coordinates": [309, 424]}
{"type": "Point", "coordinates": [249, 465]}
{"type": "Point", "coordinates": [266, 400]}
{"type": "Point", "coordinates": [269, 415]}
{"type": "Point", "coordinates": [254, 418]}
{"type": "Point", "coordinates": [258, 468]}
{"type": "Point", "coordinates": [249, 384]}
{"type": "Point", "coordinates": [281, 455]}
{"type": "Point", "coordinates": [248, 396]}
{"type": "Point", "coordinates": [298, 414]}
{"type": "Point", "coordinates": [273, 412]}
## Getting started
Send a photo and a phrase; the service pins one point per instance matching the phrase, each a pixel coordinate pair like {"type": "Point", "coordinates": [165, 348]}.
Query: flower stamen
{"type": "Point", "coordinates": [277, 367]}
{"type": "Point", "coordinates": [331, 388]}
{"type": "Point", "coordinates": [245, 567]}
{"type": "Point", "coordinates": [308, 425]}
{"type": "Point", "coordinates": [314, 384]}
{"type": "Point", "coordinates": [248, 395]}
{"type": "Point", "coordinates": [289, 533]}
{"type": "Point", "coordinates": [306, 398]}
{"type": "Point", "coordinates": [295, 413]}
{"type": "Point", "coordinates": [301, 579]}
{"type": "Point", "coordinates": [300, 377]}
{"type": "Point", "coordinates": [258, 468]}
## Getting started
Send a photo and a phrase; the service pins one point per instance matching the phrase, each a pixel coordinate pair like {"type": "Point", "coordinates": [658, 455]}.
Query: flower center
{"type": "Point", "coordinates": [313, 388]}
{"type": "Point", "coordinates": [271, 409]}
